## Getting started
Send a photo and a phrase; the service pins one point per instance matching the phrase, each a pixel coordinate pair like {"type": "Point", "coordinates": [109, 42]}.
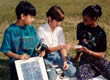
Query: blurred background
{"type": "Point", "coordinates": [72, 9]}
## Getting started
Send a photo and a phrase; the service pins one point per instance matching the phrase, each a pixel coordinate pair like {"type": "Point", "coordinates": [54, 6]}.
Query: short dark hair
{"type": "Point", "coordinates": [26, 8]}
{"type": "Point", "coordinates": [56, 13]}
{"type": "Point", "coordinates": [92, 11]}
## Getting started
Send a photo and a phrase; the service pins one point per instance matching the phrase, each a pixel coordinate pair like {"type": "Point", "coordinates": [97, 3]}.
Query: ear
{"type": "Point", "coordinates": [95, 18]}
{"type": "Point", "coordinates": [22, 16]}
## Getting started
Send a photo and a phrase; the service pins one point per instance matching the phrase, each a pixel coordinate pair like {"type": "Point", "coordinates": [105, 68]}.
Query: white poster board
{"type": "Point", "coordinates": [31, 69]}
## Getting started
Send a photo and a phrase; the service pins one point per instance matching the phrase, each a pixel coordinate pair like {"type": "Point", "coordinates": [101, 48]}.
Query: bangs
{"type": "Point", "coordinates": [56, 13]}
{"type": "Point", "coordinates": [32, 11]}
{"type": "Point", "coordinates": [59, 18]}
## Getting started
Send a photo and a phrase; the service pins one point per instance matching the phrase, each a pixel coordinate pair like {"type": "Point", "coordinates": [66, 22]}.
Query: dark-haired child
{"type": "Point", "coordinates": [93, 39]}
{"type": "Point", "coordinates": [20, 38]}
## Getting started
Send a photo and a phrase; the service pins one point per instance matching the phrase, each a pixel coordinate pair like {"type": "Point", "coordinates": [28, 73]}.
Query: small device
{"type": "Point", "coordinates": [77, 46]}
{"type": "Point", "coordinates": [41, 47]}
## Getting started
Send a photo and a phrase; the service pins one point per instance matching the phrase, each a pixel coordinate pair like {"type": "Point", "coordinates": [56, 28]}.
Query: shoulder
{"type": "Point", "coordinates": [80, 26]}
{"type": "Point", "coordinates": [31, 27]}
{"type": "Point", "coordinates": [42, 27]}
{"type": "Point", "coordinates": [11, 28]}
{"type": "Point", "coordinates": [101, 30]}
{"type": "Point", "coordinates": [59, 28]}
{"type": "Point", "coordinates": [14, 28]}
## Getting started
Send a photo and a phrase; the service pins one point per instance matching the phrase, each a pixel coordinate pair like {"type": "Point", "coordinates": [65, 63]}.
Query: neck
{"type": "Point", "coordinates": [19, 23]}
{"type": "Point", "coordinates": [94, 25]}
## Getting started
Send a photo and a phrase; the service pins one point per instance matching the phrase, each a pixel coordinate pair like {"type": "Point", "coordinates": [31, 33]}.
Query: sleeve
{"type": "Point", "coordinates": [103, 43]}
{"type": "Point", "coordinates": [40, 35]}
{"type": "Point", "coordinates": [6, 43]}
{"type": "Point", "coordinates": [61, 37]}
{"type": "Point", "coordinates": [36, 36]}
{"type": "Point", "coordinates": [33, 30]}
{"type": "Point", "coordinates": [78, 32]}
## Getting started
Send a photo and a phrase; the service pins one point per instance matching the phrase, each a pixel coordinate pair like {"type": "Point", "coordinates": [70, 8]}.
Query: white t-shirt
{"type": "Point", "coordinates": [51, 39]}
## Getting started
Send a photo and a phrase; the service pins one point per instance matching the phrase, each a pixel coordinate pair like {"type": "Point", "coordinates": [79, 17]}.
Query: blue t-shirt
{"type": "Point", "coordinates": [20, 40]}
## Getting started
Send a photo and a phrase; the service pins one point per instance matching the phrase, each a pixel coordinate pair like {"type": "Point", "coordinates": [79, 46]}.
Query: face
{"type": "Point", "coordinates": [88, 21]}
{"type": "Point", "coordinates": [27, 20]}
{"type": "Point", "coordinates": [54, 23]}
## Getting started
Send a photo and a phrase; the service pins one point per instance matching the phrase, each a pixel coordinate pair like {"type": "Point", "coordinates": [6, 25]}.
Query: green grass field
{"type": "Point", "coordinates": [72, 9]}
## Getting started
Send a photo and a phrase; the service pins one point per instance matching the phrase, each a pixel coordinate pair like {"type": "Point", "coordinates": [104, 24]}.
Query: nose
{"type": "Point", "coordinates": [33, 19]}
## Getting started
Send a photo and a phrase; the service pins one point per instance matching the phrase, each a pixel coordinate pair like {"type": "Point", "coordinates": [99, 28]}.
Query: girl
{"type": "Point", "coordinates": [52, 35]}
{"type": "Point", "coordinates": [93, 39]}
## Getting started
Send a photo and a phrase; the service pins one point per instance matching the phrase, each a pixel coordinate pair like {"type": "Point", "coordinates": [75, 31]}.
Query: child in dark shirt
{"type": "Point", "coordinates": [93, 39]}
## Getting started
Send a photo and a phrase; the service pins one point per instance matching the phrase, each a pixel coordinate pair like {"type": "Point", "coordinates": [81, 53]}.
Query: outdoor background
{"type": "Point", "coordinates": [72, 9]}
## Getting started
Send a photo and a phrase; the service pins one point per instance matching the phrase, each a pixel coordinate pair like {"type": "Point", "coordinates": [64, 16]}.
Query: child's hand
{"type": "Point", "coordinates": [24, 57]}
{"type": "Point", "coordinates": [83, 49]}
{"type": "Point", "coordinates": [65, 65]}
{"type": "Point", "coordinates": [69, 46]}
{"type": "Point", "coordinates": [42, 53]}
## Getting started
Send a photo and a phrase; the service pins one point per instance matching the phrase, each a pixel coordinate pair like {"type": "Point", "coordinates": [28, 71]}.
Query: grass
{"type": "Point", "coordinates": [72, 9]}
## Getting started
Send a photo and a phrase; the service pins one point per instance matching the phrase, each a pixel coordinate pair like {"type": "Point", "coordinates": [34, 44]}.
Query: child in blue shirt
{"type": "Point", "coordinates": [20, 38]}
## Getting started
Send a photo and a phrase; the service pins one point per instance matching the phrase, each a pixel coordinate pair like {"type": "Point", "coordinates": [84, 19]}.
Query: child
{"type": "Point", "coordinates": [52, 35]}
{"type": "Point", "coordinates": [93, 39]}
{"type": "Point", "coordinates": [20, 38]}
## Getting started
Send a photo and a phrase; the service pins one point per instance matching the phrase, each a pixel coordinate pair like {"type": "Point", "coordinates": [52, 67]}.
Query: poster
{"type": "Point", "coordinates": [31, 69]}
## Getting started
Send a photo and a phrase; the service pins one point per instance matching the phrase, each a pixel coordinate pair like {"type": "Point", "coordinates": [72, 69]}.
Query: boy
{"type": "Point", "coordinates": [20, 38]}
{"type": "Point", "coordinates": [52, 35]}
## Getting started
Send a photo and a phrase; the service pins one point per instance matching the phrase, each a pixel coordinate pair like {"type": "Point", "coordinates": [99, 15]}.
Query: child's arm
{"type": "Point", "coordinates": [53, 49]}
{"type": "Point", "coordinates": [77, 56]}
{"type": "Point", "coordinates": [100, 55]}
{"type": "Point", "coordinates": [64, 56]}
{"type": "Point", "coordinates": [66, 46]}
{"type": "Point", "coordinates": [17, 56]}
{"type": "Point", "coordinates": [42, 53]}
